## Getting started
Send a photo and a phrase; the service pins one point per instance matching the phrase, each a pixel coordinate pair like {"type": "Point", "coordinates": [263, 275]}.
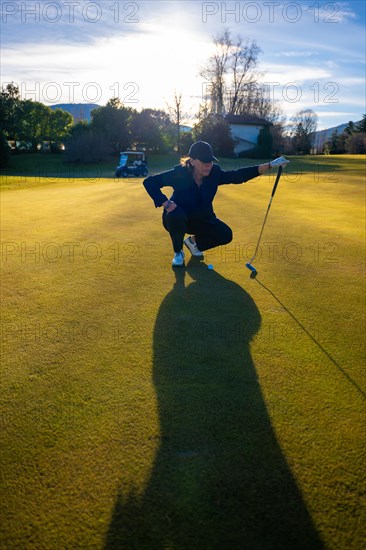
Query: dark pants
{"type": "Point", "coordinates": [208, 234]}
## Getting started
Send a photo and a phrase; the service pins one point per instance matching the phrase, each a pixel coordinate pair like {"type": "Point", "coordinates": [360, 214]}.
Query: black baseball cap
{"type": "Point", "coordinates": [202, 151]}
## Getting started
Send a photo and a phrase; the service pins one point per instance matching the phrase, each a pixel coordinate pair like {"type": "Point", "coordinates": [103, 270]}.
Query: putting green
{"type": "Point", "coordinates": [149, 408]}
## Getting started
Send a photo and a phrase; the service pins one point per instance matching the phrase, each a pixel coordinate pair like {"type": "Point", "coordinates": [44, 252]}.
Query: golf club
{"type": "Point", "coordinates": [249, 264]}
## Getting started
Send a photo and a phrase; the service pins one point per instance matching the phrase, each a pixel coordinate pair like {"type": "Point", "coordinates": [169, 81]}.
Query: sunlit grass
{"type": "Point", "coordinates": [105, 350]}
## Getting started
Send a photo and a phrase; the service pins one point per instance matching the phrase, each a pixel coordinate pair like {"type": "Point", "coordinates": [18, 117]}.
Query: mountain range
{"type": "Point", "coordinates": [326, 134]}
{"type": "Point", "coordinates": [80, 111]}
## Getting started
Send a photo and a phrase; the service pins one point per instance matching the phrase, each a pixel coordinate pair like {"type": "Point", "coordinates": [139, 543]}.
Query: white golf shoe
{"type": "Point", "coordinates": [178, 259]}
{"type": "Point", "coordinates": [192, 247]}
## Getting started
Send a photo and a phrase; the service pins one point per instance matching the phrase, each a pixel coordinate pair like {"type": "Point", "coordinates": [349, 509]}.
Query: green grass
{"type": "Point", "coordinates": [146, 408]}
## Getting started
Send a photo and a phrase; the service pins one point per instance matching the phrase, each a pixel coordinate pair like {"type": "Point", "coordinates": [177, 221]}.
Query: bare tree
{"type": "Point", "coordinates": [256, 100]}
{"type": "Point", "coordinates": [178, 116]}
{"type": "Point", "coordinates": [233, 80]}
{"type": "Point", "coordinates": [303, 125]}
{"type": "Point", "coordinates": [242, 64]}
{"type": "Point", "coordinates": [308, 120]}
{"type": "Point", "coordinates": [216, 70]}
{"type": "Point", "coordinates": [230, 72]}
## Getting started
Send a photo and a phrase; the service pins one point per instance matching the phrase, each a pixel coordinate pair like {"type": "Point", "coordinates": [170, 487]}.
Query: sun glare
{"type": "Point", "coordinates": [158, 61]}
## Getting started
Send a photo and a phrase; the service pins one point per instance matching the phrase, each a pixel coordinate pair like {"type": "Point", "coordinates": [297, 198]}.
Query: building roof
{"type": "Point", "coordinates": [247, 120]}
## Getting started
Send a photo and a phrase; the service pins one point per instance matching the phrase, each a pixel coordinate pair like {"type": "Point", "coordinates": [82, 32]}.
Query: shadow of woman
{"type": "Point", "coordinates": [219, 478]}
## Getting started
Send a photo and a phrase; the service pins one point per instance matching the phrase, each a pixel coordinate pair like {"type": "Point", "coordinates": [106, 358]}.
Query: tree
{"type": "Point", "coordinates": [215, 71]}
{"type": "Point", "coordinates": [34, 124]}
{"type": "Point", "coordinates": [335, 145]}
{"type": "Point", "coordinates": [232, 79]}
{"type": "Point", "coordinates": [186, 141]}
{"type": "Point", "coordinates": [86, 146]}
{"type": "Point", "coordinates": [356, 144]}
{"type": "Point", "coordinates": [264, 143]}
{"type": "Point", "coordinates": [115, 102]}
{"type": "Point", "coordinates": [244, 79]}
{"type": "Point", "coordinates": [145, 131]}
{"type": "Point", "coordinates": [361, 126]}
{"type": "Point", "coordinates": [4, 150]}
{"type": "Point", "coordinates": [304, 123]}
{"type": "Point", "coordinates": [350, 129]}
{"type": "Point", "coordinates": [177, 117]}
{"type": "Point", "coordinates": [59, 126]}
{"type": "Point", "coordinates": [256, 100]}
{"type": "Point", "coordinates": [278, 138]}
{"type": "Point", "coordinates": [10, 115]}
{"type": "Point", "coordinates": [231, 66]}
{"type": "Point", "coordinates": [111, 124]}
{"type": "Point", "coordinates": [215, 130]}
{"type": "Point", "coordinates": [263, 149]}
{"type": "Point", "coordinates": [152, 129]}
{"type": "Point", "coordinates": [301, 139]}
{"type": "Point", "coordinates": [80, 128]}
{"type": "Point", "coordinates": [30, 121]}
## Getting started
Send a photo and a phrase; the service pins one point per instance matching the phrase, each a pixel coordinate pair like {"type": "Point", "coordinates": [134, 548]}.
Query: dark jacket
{"type": "Point", "coordinates": [194, 200]}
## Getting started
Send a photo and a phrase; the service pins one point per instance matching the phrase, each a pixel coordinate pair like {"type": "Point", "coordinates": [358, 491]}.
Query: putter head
{"type": "Point", "coordinates": [252, 269]}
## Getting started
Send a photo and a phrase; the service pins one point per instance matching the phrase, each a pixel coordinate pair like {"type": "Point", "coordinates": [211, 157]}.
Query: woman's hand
{"type": "Point", "coordinates": [264, 167]}
{"type": "Point", "coordinates": [169, 206]}
{"type": "Point", "coordinates": [280, 161]}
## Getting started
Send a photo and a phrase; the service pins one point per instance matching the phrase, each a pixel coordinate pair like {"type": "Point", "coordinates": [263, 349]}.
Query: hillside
{"type": "Point", "coordinates": [80, 111]}
{"type": "Point", "coordinates": [323, 135]}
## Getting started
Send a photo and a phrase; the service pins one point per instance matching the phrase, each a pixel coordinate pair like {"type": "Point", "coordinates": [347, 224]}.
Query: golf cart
{"type": "Point", "coordinates": [132, 163]}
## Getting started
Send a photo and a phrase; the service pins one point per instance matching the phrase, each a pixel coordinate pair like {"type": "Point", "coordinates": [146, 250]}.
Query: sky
{"type": "Point", "coordinates": [81, 51]}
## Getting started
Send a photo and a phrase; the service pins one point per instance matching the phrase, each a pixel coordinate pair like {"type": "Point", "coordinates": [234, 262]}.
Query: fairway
{"type": "Point", "coordinates": [147, 408]}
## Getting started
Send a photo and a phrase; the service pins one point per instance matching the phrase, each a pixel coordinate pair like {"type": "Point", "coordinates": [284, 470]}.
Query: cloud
{"type": "Point", "coordinates": [287, 74]}
{"type": "Point", "coordinates": [351, 81]}
{"type": "Point", "coordinates": [77, 21]}
{"type": "Point", "coordinates": [296, 53]}
{"type": "Point", "coordinates": [331, 64]}
{"type": "Point", "coordinates": [332, 12]}
{"type": "Point", "coordinates": [330, 114]}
